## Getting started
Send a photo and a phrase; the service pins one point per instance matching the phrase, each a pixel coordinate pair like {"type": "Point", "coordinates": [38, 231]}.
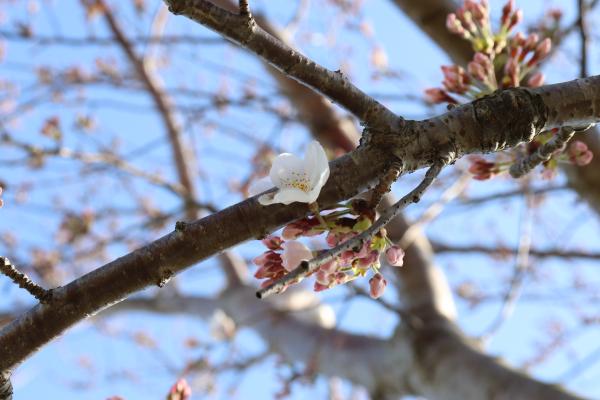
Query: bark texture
{"type": "Point", "coordinates": [430, 16]}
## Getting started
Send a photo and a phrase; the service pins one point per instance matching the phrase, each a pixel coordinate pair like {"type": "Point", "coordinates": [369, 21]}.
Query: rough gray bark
{"type": "Point", "coordinates": [6, 390]}
{"type": "Point", "coordinates": [457, 132]}
{"type": "Point", "coordinates": [430, 16]}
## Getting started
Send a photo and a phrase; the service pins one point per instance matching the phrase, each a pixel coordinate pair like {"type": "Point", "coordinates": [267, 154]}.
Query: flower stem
{"type": "Point", "coordinates": [314, 207]}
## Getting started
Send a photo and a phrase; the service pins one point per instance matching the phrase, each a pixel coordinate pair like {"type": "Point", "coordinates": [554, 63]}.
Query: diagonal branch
{"type": "Point", "coordinates": [245, 32]}
{"type": "Point", "coordinates": [495, 122]}
{"type": "Point", "coordinates": [160, 99]}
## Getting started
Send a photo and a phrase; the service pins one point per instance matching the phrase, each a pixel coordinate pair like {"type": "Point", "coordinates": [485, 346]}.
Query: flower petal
{"type": "Point", "coordinates": [316, 164]}
{"type": "Point", "coordinates": [282, 167]}
{"type": "Point", "coordinates": [261, 185]}
{"type": "Point", "coordinates": [294, 253]}
{"type": "Point", "coordinates": [290, 195]}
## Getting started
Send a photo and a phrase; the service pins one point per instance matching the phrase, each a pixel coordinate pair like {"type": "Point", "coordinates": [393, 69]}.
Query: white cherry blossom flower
{"type": "Point", "coordinates": [295, 179]}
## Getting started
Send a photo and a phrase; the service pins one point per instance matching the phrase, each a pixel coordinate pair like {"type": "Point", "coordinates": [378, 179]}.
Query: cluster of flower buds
{"type": "Point", "coordinates": [281, 258]}
{"type": "Point", "coordinates": [482, 69]}
{"type": "Point", "coordinates": [511, 16]}
{"type": "Point", "coordinates": [472, 22]}
{"type": "Point", "coordinates": [518, 54]}
{"type": "Point", "coordinates": [524, 55]}
{"type": "Point", "coordinates": [516, 57]}
{"type": "Point", "coordinates": [579, 154]}
{"type": "Point", "coordinates": [285, 253]}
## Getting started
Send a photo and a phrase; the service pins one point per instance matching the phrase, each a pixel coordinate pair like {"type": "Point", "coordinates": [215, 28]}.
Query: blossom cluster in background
{"type": "Point", "coordinates": [503, 59]}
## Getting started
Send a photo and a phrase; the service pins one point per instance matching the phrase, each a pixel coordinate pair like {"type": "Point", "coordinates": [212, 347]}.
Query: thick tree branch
{"type": "Point", "coordinates": [430, 16]}
{"type": "Point", "coordinates": [488, 124]}
{"type": "Point", "coordinates": [427, 360]}
{"type": "Point", "coordinates": [444, 357]}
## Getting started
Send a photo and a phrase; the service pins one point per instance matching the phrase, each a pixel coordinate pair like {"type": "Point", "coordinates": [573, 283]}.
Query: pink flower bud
{"type": "Point", "coordinates": [272, 242]}
{"type": "Point", "coordinates": [455, 79]}
{"type": "Point", "coordinates": [516, 18]}
{"type": "Point", "coordinates": [477, 71]}
{"type": "Point", "coordinates": [340, 278]}
{"type": "Point", "coordinates": [481, 168]}
{"type": "Point", "coordinates": [332, 239]}
{"type": "Point", "coordinates": [437, 95]}
{"type": "Point", "coordinates": [511, 71]}
{"type": "Point", "coordinates": [543, 49]}
{"type": "Point", "coordinates": [395, 256]}
{"type": "Point", "coordinates": [323, 277]}
{"type": "Point", "coordinates": [579, 153]}
{"type": "Point", "coordinates": [482, 60]}
{"type": "Point", "coordinates": [318, 287]}
{"type": "Point", "coordinates": [181, 390]}
{"type": "Point", "coordinates": [536, 80]}
{"type": "Point", "coordinates": [267, 256]}
{"type": "Point", "coordinates": [555, 14]}
{"type": "Point", "coordinates": [453, 25]}
{"type": "Point", "coordinates": [517, 41]}
{"type": "Point", "coordinates": [329, 267]}
{"type": "Point", "coordinates": [302, 227]}
{"type": "Point", "coordinates": [531, 41]}
{"type": "Point", "coordinates": [366, 262]}
{"type": "Point", "coordinates": [507, 11]}
{"type": "Point", "coordinates": [377, 285]}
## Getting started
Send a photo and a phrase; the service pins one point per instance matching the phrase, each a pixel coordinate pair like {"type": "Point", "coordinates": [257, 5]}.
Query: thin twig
{"type": "Point", "coordinates": [434, 210]}
{"type": "Point", "coordinates": [439, 248]}
{"type": "Point", "coordinates": [522, 266]}
{"type": "Point", "coordinates": [543, 153]}
{"type": "Point", "coordinates": [23, 280]}
{"type": "Point", "coordinates": [508, 194]}
{"type": "Point", "coordinates": [251, 36]}
{"type": "Point", "coordinates": [307, 267]}
{"type": "Point", "coordinates": [109, 41]}
{"type": "Point", "coordinates": [582, 9]}
{"type": "Point", "coordinates": [244, 8]}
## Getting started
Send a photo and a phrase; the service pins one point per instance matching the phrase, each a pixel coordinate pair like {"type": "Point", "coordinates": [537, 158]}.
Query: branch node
{"type": "Point", "coordinates": [245, 8]}
{"type": "Point", "coordinates": [180, 226]}
{"type": "Point", "coordinates": [165, 277]}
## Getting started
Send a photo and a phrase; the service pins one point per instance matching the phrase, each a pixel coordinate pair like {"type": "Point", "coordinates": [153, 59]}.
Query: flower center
{"type": "Point", "coordinates": [298, 180]}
